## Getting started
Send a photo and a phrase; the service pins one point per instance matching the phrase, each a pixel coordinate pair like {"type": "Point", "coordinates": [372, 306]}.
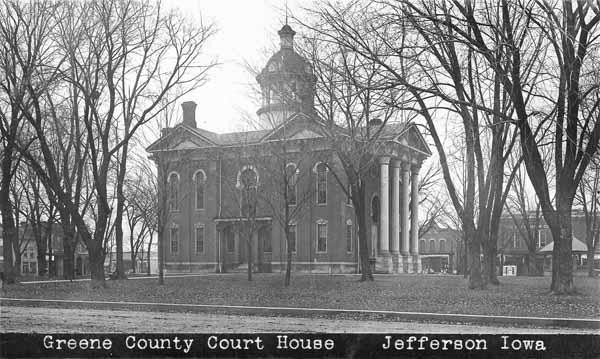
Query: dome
{"type": "Point", "coordinates": [287, 82]}
{"type": "Point", "coordinates": [287, 62]}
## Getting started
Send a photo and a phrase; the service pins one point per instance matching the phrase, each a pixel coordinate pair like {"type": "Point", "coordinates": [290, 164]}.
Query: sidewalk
{"type": "Point", "coordinates": [573, 323]}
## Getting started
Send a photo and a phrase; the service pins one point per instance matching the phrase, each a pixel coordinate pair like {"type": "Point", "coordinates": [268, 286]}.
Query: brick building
{"type": "Point", "coordinates": [210, 177]}
{"type": "Point", "coordinates": [513, 249]}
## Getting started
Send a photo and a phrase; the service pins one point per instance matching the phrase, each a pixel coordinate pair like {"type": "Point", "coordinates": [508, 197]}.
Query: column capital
{"type": "Point", "coordinates": [383, 160]}
{"type": "Point", "coordinates": [405, 166]}
{"type": "Point", "coordinates": [395, 163]}
{"type": "Point", "coordinates": [415, 167]}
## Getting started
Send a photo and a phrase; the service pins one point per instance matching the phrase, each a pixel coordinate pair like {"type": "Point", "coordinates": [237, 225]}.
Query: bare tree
{"type": "Point", "coordinates": [25, 34]}
{"type": "Point", "coordinates": [444, 78]}
{"type": "Point", "coordinates": [124, 50]}
{"type": "Point", "coordinates": [588, 197]}
{"type": "Point", "coordinates": [569, 31]}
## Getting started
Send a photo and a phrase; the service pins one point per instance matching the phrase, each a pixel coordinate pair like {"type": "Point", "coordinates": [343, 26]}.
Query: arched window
{"type": "Point", "coordinates": [321, 183]}
{"type": "Point", "coordinates": [248, 184]}
{"type": "Point", "coordinates": [375, 209]}
{"type": "Point", "coordinates": [432, 245]}
{"type": "Point", "coordinates": [199, 182]}
{"type": "Point", "coordinates": [291, 176]}
{"type": "Point", "coordinates": [442, 245]}
{"type": "Point", "coordinates": [173, 191]}
{"type": "Point", "coordinates": [422, 245]}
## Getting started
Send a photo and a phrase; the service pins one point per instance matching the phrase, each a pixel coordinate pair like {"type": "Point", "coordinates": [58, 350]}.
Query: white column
{"type": "Point", "coordinates": [405, 195]}
{"type": "Point", "coordinates": [384, 205]}
{"type": "Point", "coordinates": [395, 207]}
{"type": "Point", "coordinates": [414, 211]}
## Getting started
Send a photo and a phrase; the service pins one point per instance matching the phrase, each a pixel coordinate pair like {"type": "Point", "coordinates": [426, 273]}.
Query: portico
{"type": "Point", "coordinates": [398, 215]}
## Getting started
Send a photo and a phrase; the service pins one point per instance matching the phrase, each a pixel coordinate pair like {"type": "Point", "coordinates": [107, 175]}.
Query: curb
{"type": "Point", "coordinates": [313, 312]}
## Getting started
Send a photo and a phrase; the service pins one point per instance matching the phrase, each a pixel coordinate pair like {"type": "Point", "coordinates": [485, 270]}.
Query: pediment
{"type": "Point", "coordinates": [181, 138]}
{"type": "Point", "coordinates": [305, 133]}
{"type": "Point", "coordinates": [412, 137]}
{"type": "Point", "coordinates": [298, 126]}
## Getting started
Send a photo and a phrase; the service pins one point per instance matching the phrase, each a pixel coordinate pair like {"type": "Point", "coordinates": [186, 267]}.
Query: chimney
{"type": "Point", "coordinates": [189, 113]}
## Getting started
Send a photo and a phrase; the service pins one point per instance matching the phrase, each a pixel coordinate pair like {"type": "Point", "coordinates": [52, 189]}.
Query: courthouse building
{"type": "Point", "coordinates": [208, 178]}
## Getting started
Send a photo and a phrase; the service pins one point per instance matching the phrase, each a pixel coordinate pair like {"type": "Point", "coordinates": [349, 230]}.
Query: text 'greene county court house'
{"type": "Point", "coordinates": [209, 178]}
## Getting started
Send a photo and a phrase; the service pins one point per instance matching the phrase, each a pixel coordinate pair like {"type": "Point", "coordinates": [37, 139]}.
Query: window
{"type": "Point", "coordinates": [432, 245]}
{"type": "Point", "coordinates": [442, 245]}
{"type": "Point", "coordinates": [322, 236]}
{"type": "Point", "coordinates": [230, 240]}
{"type": "Point", "coordinates": [515, 241]}
{"type": "Point", "coordinates": [199, 239]}
{"type": "Point", "coordinates": [31, 252]}
{"type": "Point", "coordinates": [248, 183]}
{"type": "Point", "coordinates": [422, 244]}
{"type": "Point", "coordinates": [173, 189]}
{"type": "Point", "coordinates": [348, 236]}
{"type": "Point", "coordinates": [349, 196]}
{"type": "Point", "coordinates": [292, 238]}
{"type": "Point", "coordinates": [375, 209]}
{"type": "Point", "coordinates": [321, 183]}
{"type": "Point", "coordinates": [174, 240]}
{"type": "Point", "coordinates": [291, 175]}
{"type": "Point", "coordinates": [265, 238]}
{"type": "Point", "coordinates": [199, 180]}
{"type": "Point", "coordinates": [25, 267]}
{"type": "Point", "coordinates": [543, 239]}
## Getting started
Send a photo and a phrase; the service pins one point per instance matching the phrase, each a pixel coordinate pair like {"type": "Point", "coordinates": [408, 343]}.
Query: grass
{"type": "Point", "coordinates": [516, 296]}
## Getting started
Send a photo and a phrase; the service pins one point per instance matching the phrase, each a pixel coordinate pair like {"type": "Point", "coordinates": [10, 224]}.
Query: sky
{"type": "Point", "coordinates": [246, 33]}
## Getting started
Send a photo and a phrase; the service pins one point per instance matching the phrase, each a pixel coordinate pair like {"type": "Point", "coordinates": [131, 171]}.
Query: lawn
{"type": "Point", "coordinates": [516, 296]}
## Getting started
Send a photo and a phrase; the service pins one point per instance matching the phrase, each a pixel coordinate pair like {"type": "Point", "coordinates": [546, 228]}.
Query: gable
{"type": "Point", "coordinates": [296, 127]}
{"type": "Point", "coordinates": [179, 138]}
{"type": "Point", "coordinates": [305, 133]}
{"type": "Point", "coordinates": [412, 137]}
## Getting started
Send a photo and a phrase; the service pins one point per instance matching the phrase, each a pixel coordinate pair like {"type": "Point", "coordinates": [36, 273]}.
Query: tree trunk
{"type": "Point", "coordinates": [590, 260]}
{"type": "Point", "coordinates": [133, 261]}
{"type": "Point", "coordinates": [491, 251]}
{"type": "Point", "coordinates": [249, 247]}
{"type": "Point", "coordinates": [161, 261]}
{"type": "Point", "coordinates": [149, 253]}
{"type": "Point", "coordinates": [592, 245]}
{"type": "Point", "coordinates": [562, 258]}
{"type": "Point", "coordinates": [8, 233]}
{"type": "Point", "coordinates": [69, 251]}
{"type": "Point", "coordinates": [96, 263]}
{"type": "Point", "coordinates": [119, 214]}
{"type": "Point", "coordinates": [17, 253]}
{"type": "Point", "coordinates": [288, 267]}
{"type": "Point", "coordinates": [475, 279]}
{"type": "Point", "coordinates": [41, 244]}
{"type": "Point", "coordinates": [532, 264]}
{"type": "Point", "coordinates": [359, 208]}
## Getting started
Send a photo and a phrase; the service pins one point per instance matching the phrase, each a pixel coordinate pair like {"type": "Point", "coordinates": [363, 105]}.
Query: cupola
{"type": "Point", "coordinates": [287, 83]}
